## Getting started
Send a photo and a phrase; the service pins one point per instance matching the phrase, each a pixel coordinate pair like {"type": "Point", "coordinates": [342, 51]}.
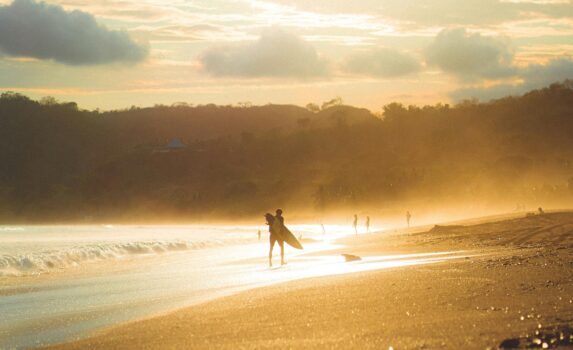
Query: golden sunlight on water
{"type": "Point", "coordinates": [328, 265]}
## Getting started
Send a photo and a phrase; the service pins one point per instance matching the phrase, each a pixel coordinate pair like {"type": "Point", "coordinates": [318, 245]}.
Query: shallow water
{"type": "Point", "coordinates": [136, 274]}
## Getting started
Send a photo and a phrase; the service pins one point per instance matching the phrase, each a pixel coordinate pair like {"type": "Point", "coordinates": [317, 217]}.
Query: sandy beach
{"type": "Point", "coordinates": [415, 158]}
{"type": "Point", "coordinates": [513, 289]}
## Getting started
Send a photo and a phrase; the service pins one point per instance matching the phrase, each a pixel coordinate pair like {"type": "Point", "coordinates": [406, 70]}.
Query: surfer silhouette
{"type": "Point", "coordinates": [280, 234]}
{"type": "Point", "coordinates": [408, 217]}
{"type": "Point", "coordinates": [355, 224]}
{"type": "Point", "coordinates": [368, 224]}
{"type": "Point", "coordinates": [275, 227]}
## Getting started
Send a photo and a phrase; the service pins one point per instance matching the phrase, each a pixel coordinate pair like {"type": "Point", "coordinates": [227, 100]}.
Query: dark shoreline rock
{"type": "Point", "coordinates": [544, 338]}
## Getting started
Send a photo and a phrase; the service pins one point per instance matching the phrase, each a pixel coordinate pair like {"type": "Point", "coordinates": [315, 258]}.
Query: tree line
{"type": "Point", "coordinates": [62, 163]}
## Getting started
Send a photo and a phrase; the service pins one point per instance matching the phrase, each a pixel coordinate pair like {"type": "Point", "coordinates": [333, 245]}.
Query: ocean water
{"type": "Point", "coordinates": [60, 283]}
{"type": "Point", "coordinates": [30, 250]}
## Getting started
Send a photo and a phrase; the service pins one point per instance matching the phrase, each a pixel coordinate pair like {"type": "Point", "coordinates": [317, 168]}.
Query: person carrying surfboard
{"type": "Point", "coordinates": [275, 237]}
{"type": "Point", "coordinates": [280, 234]}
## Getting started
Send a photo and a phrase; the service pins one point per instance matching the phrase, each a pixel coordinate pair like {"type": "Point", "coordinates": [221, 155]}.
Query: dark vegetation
{"type": "Point", "coordinates": [60, 163]}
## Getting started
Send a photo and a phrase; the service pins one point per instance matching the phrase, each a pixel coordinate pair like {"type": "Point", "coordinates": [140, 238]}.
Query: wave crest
{"type": "Point", "coordinates": [35, 263]}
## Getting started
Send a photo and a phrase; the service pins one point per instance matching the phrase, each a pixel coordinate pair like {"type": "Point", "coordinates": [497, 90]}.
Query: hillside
{"type": "Point", "coordinates": [62, 163]}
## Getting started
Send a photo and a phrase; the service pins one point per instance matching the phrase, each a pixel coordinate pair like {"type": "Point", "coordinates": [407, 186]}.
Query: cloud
{"type": "Point", "coordinates": [534, 76]}
{"type": "Point", "coordinates": [471, 56]}
{"type": "Point", "coordinates": [275, 54]}
{"type": "Point", "coordinates": [475, 58]}
{"type": "Point", "coordinates": [36, 29]}
{"type": "Point", "coordinates": [382, 62]}
{"type": "Point", "coordinates": [556, 70]}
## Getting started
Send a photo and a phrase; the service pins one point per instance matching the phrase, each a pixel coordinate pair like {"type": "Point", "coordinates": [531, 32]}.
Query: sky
{"type": "Point", "coordinates": [112, 54]}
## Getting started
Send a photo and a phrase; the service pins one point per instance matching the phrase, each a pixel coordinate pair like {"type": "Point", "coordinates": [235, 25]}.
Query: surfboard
{"type": "Point", "coordinates": [290, 239]}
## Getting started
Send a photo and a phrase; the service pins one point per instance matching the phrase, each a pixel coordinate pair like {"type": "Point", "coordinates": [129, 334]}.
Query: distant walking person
{"type": "Point", "coordinates": [259, 234]}
{"type": "Point", "coordinates": [275, 237]}
{"type": "Point", "coordinates": [408, 217]}
{"type": "Point", "coordinates": [368, 224]}
{"type": "Point", "coordinates": [355, 224]}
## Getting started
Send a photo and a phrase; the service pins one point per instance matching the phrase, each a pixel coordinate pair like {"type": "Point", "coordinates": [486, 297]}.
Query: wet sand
{"type": "Point", "coordinates": [515, 288]}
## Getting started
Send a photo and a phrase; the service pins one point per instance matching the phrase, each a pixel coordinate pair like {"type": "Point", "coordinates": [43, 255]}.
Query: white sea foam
{"type": "Point", "coordinates": [37, 262]}
{"type": "Point", "coordinates": [11, 228]}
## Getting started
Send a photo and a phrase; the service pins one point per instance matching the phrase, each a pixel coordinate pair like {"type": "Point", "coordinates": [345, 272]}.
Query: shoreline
{"type": "Point", "coordinates": [519, 285]}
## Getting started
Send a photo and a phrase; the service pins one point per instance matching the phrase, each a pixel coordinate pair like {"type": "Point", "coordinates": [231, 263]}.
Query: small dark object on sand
{"type": "Point", "coordinates": [350, 257]}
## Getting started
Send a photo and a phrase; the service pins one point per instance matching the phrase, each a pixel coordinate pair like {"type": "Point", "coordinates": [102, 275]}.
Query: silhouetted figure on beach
{"type": "Point", "coordinates": [541, 212]}
{"type": "Point", "coordinates": [275, 237]}
{"type": "Point", "coordinates": [368, 224]}
{"type": "Point", "coordinates": [408, 217]}
{"type": "Point", "coordinates": [259, 234]}
{"type": "Point", "coordinates": [281, 226]}
{"type": "Point", "coordinates": [355, 224]}
{"type": "Point", "coordinates": [323, 229]}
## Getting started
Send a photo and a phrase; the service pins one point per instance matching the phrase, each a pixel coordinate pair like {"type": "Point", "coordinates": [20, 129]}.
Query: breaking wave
{"type": "Point", "coordinates": [38, 262]}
